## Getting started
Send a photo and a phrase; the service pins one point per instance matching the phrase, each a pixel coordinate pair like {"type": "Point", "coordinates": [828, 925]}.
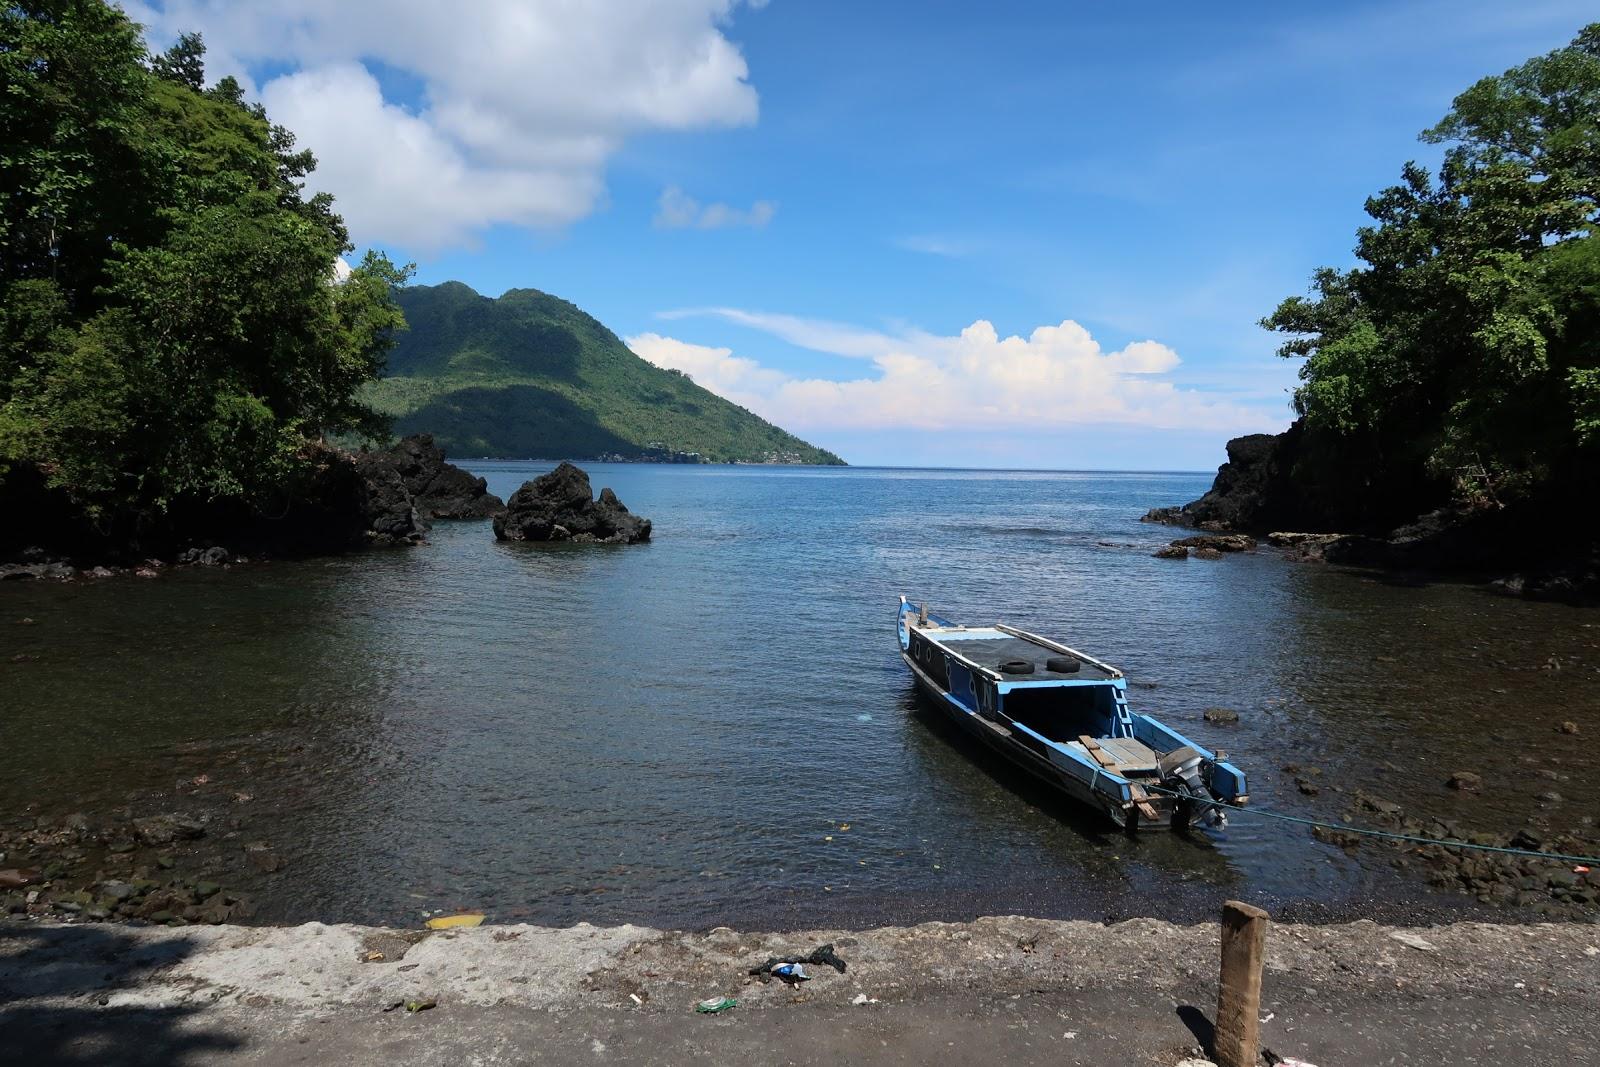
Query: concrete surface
{"type": "Point", "coordinates": [998, 990]}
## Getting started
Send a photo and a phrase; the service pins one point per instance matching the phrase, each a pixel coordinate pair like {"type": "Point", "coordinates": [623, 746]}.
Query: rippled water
{"type": "Point", "coordinates": [679, 733]}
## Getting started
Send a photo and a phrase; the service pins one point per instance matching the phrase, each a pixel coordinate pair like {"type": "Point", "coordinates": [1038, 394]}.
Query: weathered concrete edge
{"type": "Point", "coordinates": [317, 968]}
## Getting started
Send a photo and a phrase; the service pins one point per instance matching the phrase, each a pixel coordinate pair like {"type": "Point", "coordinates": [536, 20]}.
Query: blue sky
{"type": "Point", "coordinates": [854, 218]}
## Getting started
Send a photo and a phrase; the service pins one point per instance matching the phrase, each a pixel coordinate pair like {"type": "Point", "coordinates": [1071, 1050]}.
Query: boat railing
{"type": "Point", "coordinates": [1058, 647]}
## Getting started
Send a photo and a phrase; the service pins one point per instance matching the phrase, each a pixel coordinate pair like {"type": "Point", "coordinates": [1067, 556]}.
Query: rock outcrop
{"type": "Point", "coordinates": [336, 501]}
{"type": "Point", "coordinates": [1288, 489]}
{"type": "Point", "coordinates": [439, 490]}
{"type": "Point", "coordinates": [388, 512]}
{"type": "Point", "coordinates": [560, 506]}
{"type": "Point", "coordinates": [1252, 491]}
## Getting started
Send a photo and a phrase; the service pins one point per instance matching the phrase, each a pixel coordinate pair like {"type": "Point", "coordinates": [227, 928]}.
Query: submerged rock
{"type": "Point", "coordinates": [1220, 542]}
{"type": "Point", "coordinates": [165, 829]}
{"type": "Point", "coordinates": [1466, 782]}
{"type": "Point", "coordinates": [439, 489]}
{"type": "Point", "coordinates": [560, 506]}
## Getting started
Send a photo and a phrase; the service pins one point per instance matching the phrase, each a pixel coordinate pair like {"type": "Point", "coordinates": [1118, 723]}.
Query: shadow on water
{"type": "Point", "coordinates": [1087, 825]}
{"type": "Point", "coordinates": [58, 985]}
{"type": "Point", "coordinates": [1191, 854]}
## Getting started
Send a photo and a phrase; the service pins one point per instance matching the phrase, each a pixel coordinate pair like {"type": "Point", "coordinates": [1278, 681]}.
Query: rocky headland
{"type": "Point", "coordinates": [340, 501]}
{"type": "Point", "coordinates": [1528, 547]}
{"type": "Point", "coordinates": [439, 490]}
{"type": "Point", "coordinates": [560, 506]}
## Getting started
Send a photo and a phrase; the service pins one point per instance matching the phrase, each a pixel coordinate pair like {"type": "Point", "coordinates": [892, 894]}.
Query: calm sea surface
{"type": "Point", "coordinates": [717, 727]}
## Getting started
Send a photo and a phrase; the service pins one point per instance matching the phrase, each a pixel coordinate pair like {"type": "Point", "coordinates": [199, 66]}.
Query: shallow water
{"type": "Point", "coordinates": [678, 733]}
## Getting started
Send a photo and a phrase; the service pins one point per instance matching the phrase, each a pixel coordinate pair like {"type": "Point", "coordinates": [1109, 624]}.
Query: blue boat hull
{"type": "Point", "coordinates": [1067, 725]}
{"type": "Point", "coordinates": [999, 740]}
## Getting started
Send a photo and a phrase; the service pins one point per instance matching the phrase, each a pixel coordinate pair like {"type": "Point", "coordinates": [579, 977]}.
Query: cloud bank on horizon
{"type": "Point", "coordinates": [520, 104]}
{"type": "Point", "coordinates": [1057, 377]}
{"type": "Point", "coordinates": [632, 132]}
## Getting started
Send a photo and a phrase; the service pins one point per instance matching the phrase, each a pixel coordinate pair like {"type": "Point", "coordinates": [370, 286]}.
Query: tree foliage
{"type": "Point", "coordinates": [1461, 355]}
{"type": "Point", "coordinates": [171, 326]}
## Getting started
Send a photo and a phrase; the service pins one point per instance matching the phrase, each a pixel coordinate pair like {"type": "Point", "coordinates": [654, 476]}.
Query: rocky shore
{"type": "Point", "coordinates": [206, 849]}
{"type": "Point", "coordinates": [1001, 989]}
{"type": "Point", "coordinates": [342, 501]}
{"type": "Point", "coordinates": [1526, 549]}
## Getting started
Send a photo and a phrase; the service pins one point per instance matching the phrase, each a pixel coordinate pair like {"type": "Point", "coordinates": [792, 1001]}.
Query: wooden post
{"type": "Point", "coordinates": [1244, 936]}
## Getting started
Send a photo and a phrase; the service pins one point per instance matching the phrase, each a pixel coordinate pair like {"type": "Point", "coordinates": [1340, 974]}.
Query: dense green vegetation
{"type": "Point", "coordinates": [532, 375]}
{"type": "Point", "coordinates": [170, 326]}
{"type": "Point", "coordinates": [1460, 361]}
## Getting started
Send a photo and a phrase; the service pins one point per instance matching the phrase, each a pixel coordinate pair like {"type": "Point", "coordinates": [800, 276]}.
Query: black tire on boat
{"type": "Point", "coordinates": [1017, 666]}
{"type": "Point", "coordinates": [1061, 664]}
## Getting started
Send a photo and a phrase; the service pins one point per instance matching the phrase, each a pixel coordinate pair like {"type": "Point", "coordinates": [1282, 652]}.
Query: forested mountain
{"type": "Point", "coordinates": [531, 375]}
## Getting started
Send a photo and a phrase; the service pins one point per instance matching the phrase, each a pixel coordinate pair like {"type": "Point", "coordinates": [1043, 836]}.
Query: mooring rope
{"type": "Point", "coordinates": [1439, 842]}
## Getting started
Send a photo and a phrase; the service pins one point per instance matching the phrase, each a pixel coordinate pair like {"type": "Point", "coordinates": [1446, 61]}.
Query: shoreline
{"type": "Point", "coordinates": [1026, 990]}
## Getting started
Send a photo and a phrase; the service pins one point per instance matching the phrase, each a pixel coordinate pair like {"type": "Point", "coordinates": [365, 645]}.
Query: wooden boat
{"type": "Point", "coordinates": [1063, 716]}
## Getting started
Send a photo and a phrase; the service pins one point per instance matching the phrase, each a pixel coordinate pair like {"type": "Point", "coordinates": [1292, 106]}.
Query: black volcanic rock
{"type": "Point", "coordinates": [560, 506]}
{"type": "Point", "coordinates": [439, 489]}
{"type": "Point", "coordinates": [1299, 491]}
{"type": "Point", "coordinates": [1252, 491]}
{"type": "Point", "coordinates": [333, 502]}
{"type": "Point", "coordinates": [385, 504]}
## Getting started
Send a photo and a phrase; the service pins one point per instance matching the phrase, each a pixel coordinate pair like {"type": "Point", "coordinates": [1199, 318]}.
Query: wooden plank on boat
{"type": "Point", "coordinates": [1101, 756]}
{"type": "Point", "coordinates": [1141, 799]}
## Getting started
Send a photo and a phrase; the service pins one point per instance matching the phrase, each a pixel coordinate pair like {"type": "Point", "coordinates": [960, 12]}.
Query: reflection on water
{"type": "Point", "coordinates": [680, 732]}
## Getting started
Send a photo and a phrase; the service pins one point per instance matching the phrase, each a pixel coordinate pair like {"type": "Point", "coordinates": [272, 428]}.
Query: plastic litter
{"type": "Point", "coordinates": [1284, 1061]}
{"type": "Point", "coordinates": [412, 1006]}
{"type": "Point", "coordinates": [451, 922]}
{"type": "Point", "coordinates": [792, 973]}
{"type": "Point", "coordinates": [715, 1005]}
{"type": "Point", "coordinates": [822, 956]}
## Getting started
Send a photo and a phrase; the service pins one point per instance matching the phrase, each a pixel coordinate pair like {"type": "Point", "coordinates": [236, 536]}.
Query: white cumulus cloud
{"type": "Point", "coordinates": [678, 210]}
{"type": "Point", "coordinates": [1058, 377]}
{"type": "Point", "coordinates": [743, 381]}
{"type": "Point", "coordinates": [522, 102]}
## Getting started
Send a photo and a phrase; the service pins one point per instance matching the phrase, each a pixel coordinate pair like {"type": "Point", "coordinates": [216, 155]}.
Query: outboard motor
{"type": "Point", "coordinates": [1187, 773]}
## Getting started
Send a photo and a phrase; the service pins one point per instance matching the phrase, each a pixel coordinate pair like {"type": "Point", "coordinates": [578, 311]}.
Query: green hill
{"type": "Point", "coordinates": [532, 375]}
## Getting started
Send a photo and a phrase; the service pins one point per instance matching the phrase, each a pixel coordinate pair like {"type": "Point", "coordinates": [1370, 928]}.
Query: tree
{"type": "Point", "coordinates": [171, 327]}
{"type": "Point", "coordinates": [1460, 357]}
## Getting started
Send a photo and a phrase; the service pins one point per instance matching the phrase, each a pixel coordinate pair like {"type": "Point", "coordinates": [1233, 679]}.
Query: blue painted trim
{"type": "Point", "coordinates": [1120, 787]}
{"type": "Point", "coordinates": [1052, 683]}
{"type": "Point", "coordinates": [961, 691]}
